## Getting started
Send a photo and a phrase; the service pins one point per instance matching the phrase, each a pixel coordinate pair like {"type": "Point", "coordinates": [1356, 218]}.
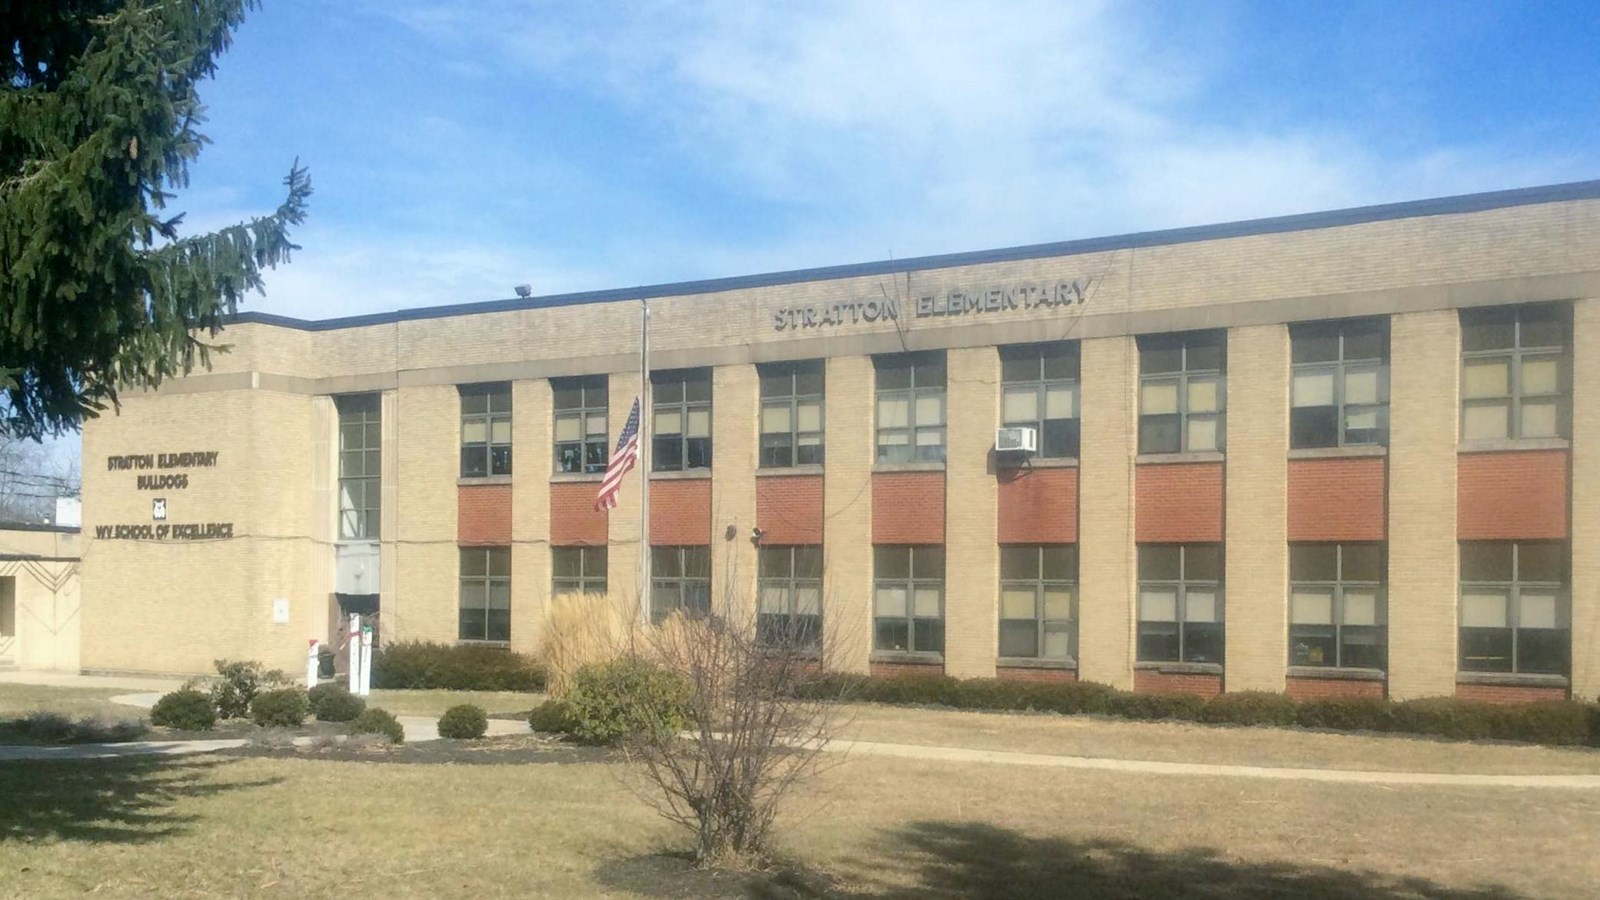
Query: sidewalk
{"type": "Point", "coordinates": [74, 680]}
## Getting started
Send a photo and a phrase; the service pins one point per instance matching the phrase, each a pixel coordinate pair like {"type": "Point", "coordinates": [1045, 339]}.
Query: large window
{"type": "Point", "coordinates": [1513, 607]}
{"type": "Point", "coordinates": [680, 579]}
{"type": "Point", "coordinates": [360, 466]}
{"type": "Point", "coordinates": [1341, 391]}
{"type": "Point", "coordinates": [580, 423]}
{"type": "Point", "coordinates": [1038, 601]}
{"type": "Point", "coordinates": [485, 430]}
{"type": "Point", "coordinates": [681, 427]}
{"type": "Point", "coordinates": [791, 597]}
{"type": "Point", "coordinates": [791, 414]}
{"type": "Point", "coordinates": [1182, 392]}
{"type": "Point", "coordinates": [485, 594]}
{"type": "Point", "coordinates": [1336, 605]}
{"type": "Point", "coordinates": [1040, 391]}
{"type": "Point", "coordinates": [911, 407]}
{"type": "Point", "coordinates": [1180, 603]}
{"type": "Point", "coordinates": [577, 570]}
{"type": "Point", "coordinates": [1513, 373]}
{"type": "Point", "coordinates": [908, 599]}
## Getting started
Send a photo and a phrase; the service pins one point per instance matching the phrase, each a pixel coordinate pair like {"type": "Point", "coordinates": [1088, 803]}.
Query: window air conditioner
{"type": "Point", "coordinates": [1016, 440]}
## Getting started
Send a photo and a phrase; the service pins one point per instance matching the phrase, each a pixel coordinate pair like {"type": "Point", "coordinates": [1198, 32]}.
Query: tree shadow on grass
{"type": "Point", "coordinates": [961, 859]}
{"type": "Point", "coordinates": [127, 800]}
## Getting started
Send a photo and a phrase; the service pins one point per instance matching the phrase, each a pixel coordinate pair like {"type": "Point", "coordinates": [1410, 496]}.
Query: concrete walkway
{"type": "Point", "coordinates": [74, 680]}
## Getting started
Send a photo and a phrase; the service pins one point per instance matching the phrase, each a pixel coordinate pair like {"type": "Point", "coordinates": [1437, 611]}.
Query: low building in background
{"type": "Point", "coordinates": [39, 597]}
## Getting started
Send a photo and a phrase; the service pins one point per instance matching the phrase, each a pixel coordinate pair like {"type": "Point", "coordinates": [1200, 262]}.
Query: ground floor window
{"type": "Point", "coordinates": [1180, 603]}
{"type": "Point", "coordinates": [485, 594]}
{"type": "Point", "coordinates": [791, 597]}
{"type": "Point", "coordinates": [1038, 601]}
{"type": "Point", "coordinates": [908, 598]}
{"type": "Point", "coordinates": [577, 570]}
{"type": "Point", "coordinates": [1336, 605]}
{"type": "Point", "coordinates": [1514, 616]}
{"type": "Point", "coordinates": [680, 579]}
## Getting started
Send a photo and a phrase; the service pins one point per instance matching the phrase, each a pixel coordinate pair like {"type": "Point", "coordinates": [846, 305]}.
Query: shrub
{"type": "Point", "coordinates": [333, 703]}
{"type": "Point", "coordinates": [240, 681]}
{"type": "Point", "coordinates": [186, 709]}
{"type": "Point", "coordinates": [844, 687]}
{"type": "Point", "coordinates": [994, 693]}
{"type": "Point", "coordinates": [280, 708]}
{"type": "Point", "coordinates": [1346, 714]}
{"type": "Point", "coordinates": [1554, 722]}
{"type": "Point", "coordinates": [609, 701]}
{"type": "Point", "coordinates": [1249, 708]}
{"type": "Point", "coordinates": [379, 721]}
{"type": "Point", "coordinates": [914, 690]}
{"type": "Point", "coordinates": [551, 717]}
{"type": "Point", "coordinates": [419, 665]}
{"type": "Point", "coordinates": [463, 722]}
{"type": "Point", "coordinates": [1182, 707]}
{"type": "Point", "coordinates": [1445, 717]}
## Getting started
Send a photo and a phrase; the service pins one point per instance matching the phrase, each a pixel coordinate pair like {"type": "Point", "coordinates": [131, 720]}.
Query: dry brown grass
{"type": "Point", "coordinates": [21, 699]}
{"type": "Point", "coordinates": [583, 629]}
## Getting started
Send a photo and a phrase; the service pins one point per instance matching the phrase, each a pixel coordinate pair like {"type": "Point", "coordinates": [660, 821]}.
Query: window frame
{"type": "Point", "coordinates": [1042, 385]}
{"type": "Point", "coordinates": [910, 583]}
{"type": "Point", "coordinates": [1516, 355]}
{"type": "Point", "coordinates": [585, 582]}
{"type": "Point", "coordinates": [912, 394]}
{"type": "Point", "coordinates": [685, 447]}
{"type": "Point", "coordinates": [1337, 587]}
{"type": "Point", "coordinates": [1181, 621]}
{"type": "Point", "coordinates": [792, 440]}
{"type": "Point", "coordinates": [361, 521]}
{"type": "Point", "coordinates": [489, 580]}
{"type": "Point", "coordinates": [790, 633]}
{"type": "Point", "coordinates": [1341, 367]}
{"type": "Point", "coordinates": [488, 418]}
{"type": "Point", "coordinates": [1040, 584]}
{"type": "Point", "coordinates": [683, 583]}
{"type": "Point", "coordinates": [1513, 590]}
{"type": "Point", "coordinates": [584, 413]}
{"type": "Point", "coordinates": [1185, 342]}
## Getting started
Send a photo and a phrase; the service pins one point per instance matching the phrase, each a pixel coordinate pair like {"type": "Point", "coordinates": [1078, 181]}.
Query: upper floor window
{"type": "Point", "coordinates": [911, 407]}
{"type": "Point", "coordinates": [1182, 392]}
{"type": "Point", "coordinates": [1038, 601]}
{"type": "Point", "coordinates": [1180, 603]}
{"type": "Point", "coordinates": [1336, 608]}
{"type": "Point", "coordinates": [1040, 391]}
{"type": "Point", "coordinates": [360, 465]}
{"type": "Point", "coordinates": [791, 414]}
{"type": "Point", "coordinates": [578, 570]}
{"type": "Point", "coordinates": [908, 598]}
{"type": "Point", "coordinates": [1514, 615]}
{"type": "Point", "coordinates": [791, 597]}
{"type": "Point", "coordinates": [485, 430]}
{"type": "Point", "coordinates": [680, 579]}
{"type": "Point", "coordinates": [580, 423]}
{"type": "Point", "coordinates": [1341, 390]}
{"type": "Point", "coordinates": [485, 594]}
{"type": "Point", "coordinates": [1514, 372]}
{"type": "Point", "coordinates": [681, 424]}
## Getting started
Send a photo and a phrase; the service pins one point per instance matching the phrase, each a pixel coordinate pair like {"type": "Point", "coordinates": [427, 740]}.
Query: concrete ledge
{"type": "Point", "coordinates": [1511, 679]}
{"type": "Point", "coordinates": [1158, 459]}
{"type": "Point", "coordinates": [577, 477]}
{"type": "Point", "coordinates": [1332, 673]}
{"type": "Point", "coordinates": [1180, 668]}
{"type": "Point", "coordinates": [908, 467]}
{"type": "Point", "coordinates": [683, 475]}
{"type": "Point", "coordinates": [1367, 450]}
{"type": "Point", "coordinates": [470, 480]}
{"type": "Point", "coordinates": [1034, 662]}
{"type": "Point", "coordinates": [1513, 446]}
{"type": "Point", "coordinates": [783, 471]}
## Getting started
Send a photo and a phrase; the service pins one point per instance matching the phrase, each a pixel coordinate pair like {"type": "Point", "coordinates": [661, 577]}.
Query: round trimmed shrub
{"type": "Point", "coordinates": [379, 721]}
{"type": "Point", "coordinates": [465, 722]}
{"type": "Point", "coordinates": [186, 709]}
{"type": "Point", "coordinates": [332, 703]}
{"type": "Point", "coordinates": [613, 700]}
{"type": "Point", "coordinates": [280, 708]}
{"type": "Point", "coordinates": [551, 717]}
{"type": "Point", "coordinates": [1249, 708]}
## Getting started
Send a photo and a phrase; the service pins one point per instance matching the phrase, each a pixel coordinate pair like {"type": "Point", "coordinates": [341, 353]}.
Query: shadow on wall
{"type": "Point", "coordinates": [121, 801]}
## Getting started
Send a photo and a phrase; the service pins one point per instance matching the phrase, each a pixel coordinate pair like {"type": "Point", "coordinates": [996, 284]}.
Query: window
{"type": "Point", "coordinates": [580, 423]}
{"type": "Point", "coordinates": [1182, 392]}
{"type": "Point", "coordinates": [8, 606]}
{"type": "Point", "coordinates": [1513, 373]}
{"type": "Point", "coordinates": [1038, 601]}
{"type": "Point", "coordinates": [680, 579]}
{"type": "Point", "coordinates": [485, 594]}
{"type": "Point", "coordinates": [360, 466]}
{"type": "Point", "coordinates": [485, 430]}
{"type": "Point", "coordinates": [682, 423]}
{"type": "Point", "coordinates": [1040, 391]}
{"type": "Point", "coordinates": [791, 597]}
{"type": "Point", "coordinates": [908, 599]}
{"type": "Point", "coordinates": [1341, 384]}
{"type": "Point", "coordinates": [1513, 609]}
{"type": "Point", "coordinates": [1336, 605]}
{"type": "Point", "coordinates": [911, 407]}
{"type": "Point", "coordinates": [791, 414]}
{"type": "Point", "coordinates": [1180, 603]}
{"type": "Point", "coordinates": [577, 570]}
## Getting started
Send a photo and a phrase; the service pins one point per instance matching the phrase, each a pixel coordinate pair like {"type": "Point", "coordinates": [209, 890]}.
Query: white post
{"type": "Point", "coordinates": [312, 665]}
{"type": "Point", "coordinates": [354, 640]}
{"type": "Point", "coordinates": [366, 660]}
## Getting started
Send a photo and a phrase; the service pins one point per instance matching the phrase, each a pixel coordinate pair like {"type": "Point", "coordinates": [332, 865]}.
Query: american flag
{"type": "Point", "coordinates": [622, 459]}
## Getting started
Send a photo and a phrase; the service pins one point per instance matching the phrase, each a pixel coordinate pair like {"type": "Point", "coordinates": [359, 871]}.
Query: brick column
{"type": "Point", "coordinates": [532, 461]}
{"type": "Point", "coordinates": [1105, 536]}
{"type": "Point", "coordinates": [1424, 417]}
{"type": "Point", "coordinates": [419, 513]}
{"type": "Point", "coordinates": [972, 555]}
{"type": "Point", "coordinates": [847, 512]}
{"type": "Point", "coordinates": [1256, 559]}
{"type": "Point", "coordinates": [735, 398]}
{"type": "Point", "coordinates": [622, 526]}
{"type": "Point", "coordinates": [1586, 500]}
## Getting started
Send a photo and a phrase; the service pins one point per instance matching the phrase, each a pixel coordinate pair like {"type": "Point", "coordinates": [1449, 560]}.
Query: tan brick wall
{"type": "Point", "coordinates": [531, 510]}
{"type": "Point", "coordinates": [426, 599]}
{"type": "Point", "coordinates": [1586, 501]}
{"type": "Point", "coordinates": [1256, 582]}
{"type": "Point", "coordinates": [735, 400]}
{"type": "Point", "coordinates": [1105, 547]}
{"type": "Point", "coordinates": [1338, 499]}
{"type": "Point", "coordinates": [43, 571]}
{"type": "Point", "coordinates": [847, 524]}
{"type": "Point", "coordinates": [1424, 415]}
{"type": "Point", "coordinates": [972, 553]}
{"type": "Point", "coordinates": [1511, 496]}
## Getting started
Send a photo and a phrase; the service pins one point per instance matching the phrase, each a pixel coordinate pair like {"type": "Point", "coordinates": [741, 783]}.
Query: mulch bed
{"type": "Point", "coordinates": [509, 750]}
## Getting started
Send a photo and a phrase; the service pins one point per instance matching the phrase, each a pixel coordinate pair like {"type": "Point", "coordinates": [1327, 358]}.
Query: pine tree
{"type": "Point", "coordinates": [99, 290]}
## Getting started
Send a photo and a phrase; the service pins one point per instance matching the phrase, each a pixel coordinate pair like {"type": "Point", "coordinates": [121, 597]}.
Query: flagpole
{"type": "Point", "coordinates": [645, 462]}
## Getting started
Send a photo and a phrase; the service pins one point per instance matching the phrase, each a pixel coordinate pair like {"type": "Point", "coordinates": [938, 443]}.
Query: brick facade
{"type": "Point", "coordinates": [1038, 505]}
{"type": "Point", "coordinates": [1511, 496]}
{"type": "Point", "coordinates": [789, 509]}
{"type": "Point", "coordinates": [1509, 693]}
{"type": "Point", "coordinates": [908, 507]}
{"type": "Point", "coordinates": [1337, 499]}
{"type": "Point", "coordinates": [901, 669]}
{"type": "Point", "coordinates": [483, 514]}
{"type": "Point", "coordinates": [1304, 688]}
{"type": "Point", "coordinates": [680, 512]}
{"type": "Point", "coordinates": [1178, 502]}
{"type": "Point", "coordinates": [1151, 681]}
{"type": "Point", "coordinates": [573, 519]}
{"type": "Point", "coordinates": [1035, 675]}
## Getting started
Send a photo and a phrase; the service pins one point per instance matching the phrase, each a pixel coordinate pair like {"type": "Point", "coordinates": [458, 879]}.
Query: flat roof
{"type": "Point", "coordinates": [1464, 203]}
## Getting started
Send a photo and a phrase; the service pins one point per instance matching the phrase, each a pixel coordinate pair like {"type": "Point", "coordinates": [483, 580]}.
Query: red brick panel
{"type": "Point", "coordinates": [1038, 506]}
{"type": "Point", "coordinates": [1150, 681]}
{"type": "Point", "coordinates": [1508, 693]}
{"type": "Point", "coordinates": [483, 514]}
{"type": "Point", "coordinates": [908, 508]}
{"type": "Point", "coordinates": [898, 669]}
{"type": "Point", "coordinates": [1178, 502]}
{"type": "Point", "coordinates": [1337, 499]}
{"type": "Point", "coordinates": [680, 512]}
{"type": "Point", "coordinates": [1511, 496]}
{"type": "Point", "coordinates": [1322, 688]}
{"type": "Point", "coordinates": [789, 509]}
{"type": "Point", "coordinates": [573, 518]}
{"type": "Point", "coordinates": [1027, 673]}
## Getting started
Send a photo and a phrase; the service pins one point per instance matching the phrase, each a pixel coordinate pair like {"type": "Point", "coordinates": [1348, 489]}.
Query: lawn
{"type": "Point", "coordinates": [21, 699]}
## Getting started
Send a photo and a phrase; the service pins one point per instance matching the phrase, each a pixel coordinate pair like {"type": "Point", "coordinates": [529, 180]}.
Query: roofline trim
{"type": "Point", "coordinates": [1462, 203]}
